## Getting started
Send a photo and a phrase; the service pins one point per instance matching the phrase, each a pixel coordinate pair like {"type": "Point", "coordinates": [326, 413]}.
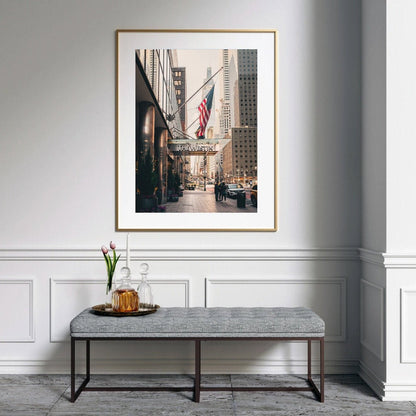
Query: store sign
{"type": "Point", "coordinates": [193, 147]}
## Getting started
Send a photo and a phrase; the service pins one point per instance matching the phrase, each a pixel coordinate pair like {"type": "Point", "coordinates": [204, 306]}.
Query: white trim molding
{"type": "Point", "coordinates": [341, 336]}
{"type": "Point", "coordinates": [53, 282]}
{"type": "Point", "coordinates": [31, 328]}
{"type": "Point", "coordinates": [378, 348]}
{"type": "Point", "coordinates": [399, 392]}
{"type": "Point", "coordinates": [388, 260]}
{"type": "Point", "coordinates": [387, 391]}
{"type": "Point", "coordinates": [374, 382]}
{"type": "Point", "coordinates": [185, 254]}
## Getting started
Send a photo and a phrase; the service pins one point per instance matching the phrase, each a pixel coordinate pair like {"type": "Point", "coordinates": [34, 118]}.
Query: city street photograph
{"type": "Point", "coordinates": [196, 130]}
{"type": "Point", "coordinates": [202, 156]}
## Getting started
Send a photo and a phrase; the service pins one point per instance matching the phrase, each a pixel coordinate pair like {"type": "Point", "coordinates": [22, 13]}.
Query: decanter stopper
{"type": "Point", "coordinates": [125, 273]}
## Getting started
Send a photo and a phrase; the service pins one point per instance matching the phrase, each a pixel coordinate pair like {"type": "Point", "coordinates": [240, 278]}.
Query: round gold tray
{"type": "Point", "coordinates": [144, 309]}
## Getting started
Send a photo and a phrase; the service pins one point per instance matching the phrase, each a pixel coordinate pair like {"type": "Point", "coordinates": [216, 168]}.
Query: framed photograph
{"type": "Point", "coordinates": [196, 130]}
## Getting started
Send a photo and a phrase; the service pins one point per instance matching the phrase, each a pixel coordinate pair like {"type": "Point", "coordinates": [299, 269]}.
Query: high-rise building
{"type": "Point", "coordinates": [247, 87]}
{"type": "Point", "coordinates": [209, 84]}
{"type": "Point", "coordinates": [227, 86]}
{"type": "Point", "coordinates": [227, 161]}
{"type": "Point", "coordinates": [244, 145]}
{"type": "Point", "coordinates": [244, 136]}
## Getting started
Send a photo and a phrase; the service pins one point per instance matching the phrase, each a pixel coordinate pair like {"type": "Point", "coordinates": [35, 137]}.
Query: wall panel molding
{"type": "Point", "coordinates": [290, 291]}
{"type": "Point", "coordinates": [407, 338]}
{"type": "Point", "coordinates": [388, 260]}
{"type": "Point", "coordinates": [60, 316]}
{"type": "Point", "coordinates": [190, 254]}
{"type": "Point", "coordinates": [374, 313]}
{"type": "Point", "coordinates": [14, 319]}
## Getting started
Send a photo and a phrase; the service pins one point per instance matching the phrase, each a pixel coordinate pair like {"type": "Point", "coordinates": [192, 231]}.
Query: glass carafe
{"type": "Point", "coordinates": [144, 289]}
{"type": "Point", "coordinates": [125, 298]}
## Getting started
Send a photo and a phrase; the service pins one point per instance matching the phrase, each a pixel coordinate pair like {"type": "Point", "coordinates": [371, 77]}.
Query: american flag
{"type": "Point", "coordinates": [204, 113]}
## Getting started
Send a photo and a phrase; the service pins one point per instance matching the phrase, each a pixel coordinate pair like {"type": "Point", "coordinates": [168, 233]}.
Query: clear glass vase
{"type": "Point", "coordinates": [109, 296]}
{"type": "Point", "coordinates": [125, 298]}
{"type": "Point", "coordinates": [144, 289]}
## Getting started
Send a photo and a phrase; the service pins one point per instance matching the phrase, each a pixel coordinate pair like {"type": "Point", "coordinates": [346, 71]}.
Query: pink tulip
{"type": "Point", "coordinates": [112, 245]}
{"type": "Point", "coordinates": [104, 249]}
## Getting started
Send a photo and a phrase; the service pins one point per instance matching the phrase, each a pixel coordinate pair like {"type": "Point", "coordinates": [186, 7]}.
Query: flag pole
{"type": "Point", "coordinates": [170, 117]}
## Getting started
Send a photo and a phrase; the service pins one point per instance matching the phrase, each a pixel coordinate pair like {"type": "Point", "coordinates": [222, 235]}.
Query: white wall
{"type": "Point", "coordinates": [389, 248]}
{"type": "Point", "coordinates": [57, 113]}
{"type": "Point", "coordinates": [373, 283]}
{"type": "Point", "coordinates": [374, 124]}
{"type": "Point", "coordinates": [401, 200]}
{"type": "Point", "coordinates": [401, 143]}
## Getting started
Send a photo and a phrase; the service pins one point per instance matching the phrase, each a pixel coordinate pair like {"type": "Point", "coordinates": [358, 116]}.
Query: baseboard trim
{"type": "Point", "coordinates": [377, 385]}
{"type": "Point", "coordinates": [183, 366]}
{"type": "Point", "coordinates": [387, 391]}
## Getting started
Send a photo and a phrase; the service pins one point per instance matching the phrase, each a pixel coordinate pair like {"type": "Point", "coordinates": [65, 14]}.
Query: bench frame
{"type": "Point", "coordinates": [311, 386]}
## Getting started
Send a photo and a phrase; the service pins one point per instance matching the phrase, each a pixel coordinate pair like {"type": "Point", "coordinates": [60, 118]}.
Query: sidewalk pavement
{"type": "Point", "coordinates": [204, 201]}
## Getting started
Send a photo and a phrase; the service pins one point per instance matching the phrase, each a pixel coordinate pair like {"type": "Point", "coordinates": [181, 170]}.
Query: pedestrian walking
{"type": "Point", "coordinates": [217, 191]}
{"type": "Point", "coordinates": [224, 191]}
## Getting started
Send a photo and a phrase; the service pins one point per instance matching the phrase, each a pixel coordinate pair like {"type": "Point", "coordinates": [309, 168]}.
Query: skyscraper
{"type": "Point", "coordinates": [228, 82]}
{"type": "Point", "coordinates": [244, 135]}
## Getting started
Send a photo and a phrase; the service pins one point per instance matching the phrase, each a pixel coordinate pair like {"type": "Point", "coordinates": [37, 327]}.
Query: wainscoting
{"type": "Point", "coordinates": [388, 340]}
{"type": "Point", "coordinates": [61, 283]}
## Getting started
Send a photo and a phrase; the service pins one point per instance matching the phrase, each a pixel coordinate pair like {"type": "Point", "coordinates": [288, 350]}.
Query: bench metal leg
{"type": "Point", "coordinates": [197, 381]}
{"type": "Point", "coordinates": [322, 372]}
{"type": "Point", "coordinates": [76, 393]}
{"type": "Point", "coordinates": [72, 369]}
{"type": "Point", "coordinates": [318, 393]}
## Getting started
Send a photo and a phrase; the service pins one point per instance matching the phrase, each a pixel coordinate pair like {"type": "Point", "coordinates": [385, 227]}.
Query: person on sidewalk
{"type": "Point", "coordinates": [223, 191]}
{"type": "Point", "coordinates": [217, 191]}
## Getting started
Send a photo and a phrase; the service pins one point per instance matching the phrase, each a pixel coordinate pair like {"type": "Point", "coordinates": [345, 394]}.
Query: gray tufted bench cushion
{"type": "Point", "coordinates": [201, 325]}
{"type": "Point", "coordinates": [204, 323]}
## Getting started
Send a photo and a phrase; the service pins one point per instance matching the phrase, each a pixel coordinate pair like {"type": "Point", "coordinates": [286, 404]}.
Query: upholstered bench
{"type": "Point", "coordinates": [201, 324]}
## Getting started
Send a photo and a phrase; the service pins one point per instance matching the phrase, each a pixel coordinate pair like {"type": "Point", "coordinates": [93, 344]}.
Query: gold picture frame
{"type": "Point", "coordinates": [152, 169]}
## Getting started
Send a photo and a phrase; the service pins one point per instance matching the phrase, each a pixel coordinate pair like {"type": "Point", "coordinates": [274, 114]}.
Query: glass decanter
{"type": "Point", "coordinates": [144, 289]}
{"type": "Point", "coordinates": [125, 298]}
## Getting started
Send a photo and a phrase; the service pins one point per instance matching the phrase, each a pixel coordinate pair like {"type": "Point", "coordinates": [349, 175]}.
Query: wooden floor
{"type": "Point", "coordinates": [22, 395]}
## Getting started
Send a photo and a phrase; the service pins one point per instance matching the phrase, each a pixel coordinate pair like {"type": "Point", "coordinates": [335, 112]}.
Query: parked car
{"type": "Point", "coordinates": [191, 186]}
{"type": "Point", "coordinates": [233, 189]}
{"type": "Point", "coordinates": [253, 195]}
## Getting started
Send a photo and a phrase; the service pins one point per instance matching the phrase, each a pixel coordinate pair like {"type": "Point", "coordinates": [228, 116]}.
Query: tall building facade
{"type": "Point", "coordinates": [244, 135]}
{"type": "Point", "coordinates": [155, 99]}
{"type": "Point", "coordinates": [247, 87]}
{"type": "Point", "coordinates": [209, 84]}
{"type": "Point", "coordinates": [227, 88]}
